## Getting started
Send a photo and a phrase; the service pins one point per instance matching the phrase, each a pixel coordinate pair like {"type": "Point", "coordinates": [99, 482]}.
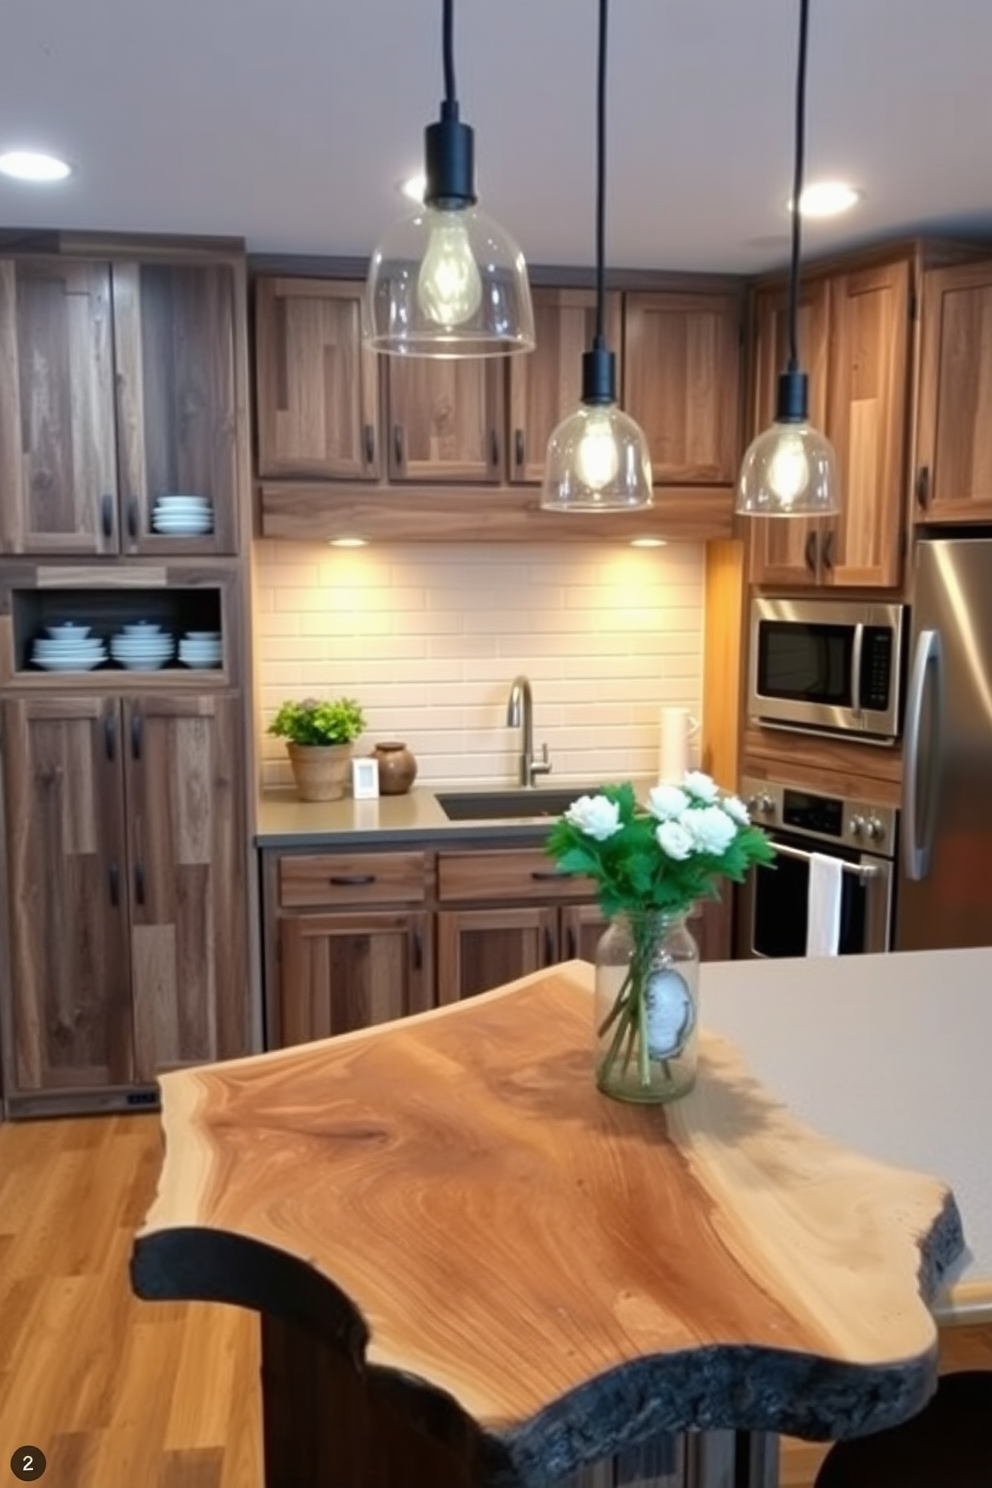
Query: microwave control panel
{"type": "Point", "coordinates": [876, 668]}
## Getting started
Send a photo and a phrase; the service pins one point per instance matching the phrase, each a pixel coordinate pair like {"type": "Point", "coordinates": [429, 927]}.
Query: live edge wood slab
{"type": "Point", "coordinates": [474, 1269]}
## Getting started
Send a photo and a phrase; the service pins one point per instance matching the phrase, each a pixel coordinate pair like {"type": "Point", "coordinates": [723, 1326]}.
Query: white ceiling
{"type": "Point", "coordinates": [289, 122]}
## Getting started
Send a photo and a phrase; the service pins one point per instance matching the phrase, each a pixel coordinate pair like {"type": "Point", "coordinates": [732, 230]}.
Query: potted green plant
{"type": "Point", "coordinates": [319, 737]}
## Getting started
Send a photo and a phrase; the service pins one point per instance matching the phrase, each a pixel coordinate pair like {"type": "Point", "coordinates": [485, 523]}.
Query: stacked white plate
{"type": "Point", "coordinates": [183, 516]}
{"type": "Point", "coordinates": [142, 647]}
{"type": "Point", "coordinates": [68, 647]}
{"type": "Point", "coordinates": [200, 648]}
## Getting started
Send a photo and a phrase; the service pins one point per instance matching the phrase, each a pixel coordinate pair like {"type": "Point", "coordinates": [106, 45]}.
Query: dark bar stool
{"type": "Point", "coordinates": [947, 1445]}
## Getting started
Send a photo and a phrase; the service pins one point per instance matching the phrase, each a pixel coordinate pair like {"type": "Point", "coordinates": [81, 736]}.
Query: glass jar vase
{"type": "Point", "coordinates": [646, 1007]}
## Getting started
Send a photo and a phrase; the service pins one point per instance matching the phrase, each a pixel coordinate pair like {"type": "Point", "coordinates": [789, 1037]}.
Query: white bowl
{"type": "Point", "coordinates": [67, 630]}
{"type": "Point", "coordinates": [141, 663]}
{"type": "Point", "coordinates": [202, 635]}
{"type": "Point", "coordinates": [180, 500]}
{"type": "Point", "coordinates": [141, 628]}
{"type": "Point", "coordinates": [65, 664]}
{"type": "Point", "coordinates": [97, 649]}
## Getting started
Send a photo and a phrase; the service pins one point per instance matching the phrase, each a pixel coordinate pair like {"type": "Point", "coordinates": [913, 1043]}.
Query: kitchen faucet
{"type": "Point", "coordinates": [520, 714]}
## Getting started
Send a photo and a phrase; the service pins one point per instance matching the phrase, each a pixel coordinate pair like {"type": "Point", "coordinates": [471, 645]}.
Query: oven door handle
{"type": "Point", "coordinates": [857, 653]}
{"type": "Point", "coordinates": [864, 871]}
{"type": "Point", "coordinates": [917, 848]}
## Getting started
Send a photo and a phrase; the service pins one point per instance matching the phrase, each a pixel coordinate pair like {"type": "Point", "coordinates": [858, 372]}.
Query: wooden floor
{"type": "Point", "coordinates": [120, 1393]}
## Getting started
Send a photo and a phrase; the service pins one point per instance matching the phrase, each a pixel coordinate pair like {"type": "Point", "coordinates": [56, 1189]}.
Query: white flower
{"type": "Point", "coordinates": [735, 808]}
{"type": "Point", "coordinates": [674, 840]}
{"type": "Point", "coordinates": [594, 815]}
{"type": "Point", "coordinates": [700, 786]}
{"type": "Point", "coordinates": [666, 801]}
{"type": "Point", "coordinates": [710, 829]}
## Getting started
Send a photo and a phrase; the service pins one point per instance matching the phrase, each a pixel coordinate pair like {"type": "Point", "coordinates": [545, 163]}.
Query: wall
{"type": "Point", "coordinates": [429, 638]}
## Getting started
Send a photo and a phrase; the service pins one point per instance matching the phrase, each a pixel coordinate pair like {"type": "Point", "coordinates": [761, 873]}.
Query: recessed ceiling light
{"type": "Point", "coordinates": [828, 198]}
{"type": "Point", "coordinates": [30, 165]}
{"type": "Point", "coordinates": [415, 187]}
{"type": "Point", "coordinates": [348, 542]}
{"type": "Point", "coordinates": [647, 542]}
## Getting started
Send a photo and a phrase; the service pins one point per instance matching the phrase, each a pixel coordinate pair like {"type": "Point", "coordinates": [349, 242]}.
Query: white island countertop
{"type": "Point", "coordinates": [891, 1055]}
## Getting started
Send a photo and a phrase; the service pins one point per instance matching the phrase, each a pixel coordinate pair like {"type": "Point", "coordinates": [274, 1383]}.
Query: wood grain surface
{"type": "Point", "coordinates": [451, 1204]}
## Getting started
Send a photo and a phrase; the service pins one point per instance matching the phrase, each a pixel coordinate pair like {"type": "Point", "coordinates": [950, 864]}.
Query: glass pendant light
{"type": "Point", "coordinates": [447, 281]}
{"type": "Point", "coordinates": [598, 457]}
{"type": "Point", "coordinates": [790, 470]}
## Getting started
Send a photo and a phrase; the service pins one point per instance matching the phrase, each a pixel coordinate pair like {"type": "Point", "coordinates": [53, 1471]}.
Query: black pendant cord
{"type": "Point", "coordinates": [601, 178]}
{"type": "Point", "coordinates": [448, 44]}
{"type": "Point", "coordinates": [797, 186]}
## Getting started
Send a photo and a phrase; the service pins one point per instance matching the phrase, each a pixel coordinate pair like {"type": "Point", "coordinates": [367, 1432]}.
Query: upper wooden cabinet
{"type": "Point", "coordinates": [317, 385]}
{"type": "Point", "coordinates": [120, 386]}
{"type": "Point", "coordinates": [446, 419]}
{"type": "Point", "coordinates": [546, 384]}
{"type": "Point", "coordinates": [954, 435]}
{"type": "Point", "coordinates": [682, 361]}
{"type": "Point", "coordinates": [854, 345]}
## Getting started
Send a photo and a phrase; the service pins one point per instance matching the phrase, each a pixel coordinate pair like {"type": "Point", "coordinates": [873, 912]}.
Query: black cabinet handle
{"type": "Point", "coordinates": [923, 486]}
{"type": "Point", "coordinates": [573, 943]}
{"type": "Point", "coordinates": [107, 515]}
{"type": "Point", "coordinates": [810, 551]}
{"type": "Point", "coordinates": [139, 883]}
{"type": "Point", "coordinates": [519, 448]}
{"type": "Point", "coordinates": [350, 880]}
{"type": "Point", "coordinates": [398, 446]}
{"type": "Point", "coordinates": [828, 549]}
{"type": "Point", "coordinates": [369, 436]}
{"type": "Point", "coordinates": [114, 874]}
{"type": "Point", "coordinates": [109, 736]}
{"type": "Point", "coordinates": [549, 948]}
{"type": "Point", "coordinates": [418, 951]}
{"type": "Point", "coordinates": [137, 733]}
{"type": "Point", "coordinates": [132, 517]}
{"type": "Point", "coordinates": [493, 448]}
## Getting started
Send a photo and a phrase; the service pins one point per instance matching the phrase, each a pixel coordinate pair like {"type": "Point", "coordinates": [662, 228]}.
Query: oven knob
{"type": "Point", "coordinates": [874, 828]}
{"type": "Point", "coordinates": [857, 825]}
{"type": "Point", "coordinates": [765, 804]}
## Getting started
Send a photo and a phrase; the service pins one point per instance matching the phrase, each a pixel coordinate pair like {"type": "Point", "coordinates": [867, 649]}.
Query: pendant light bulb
{"type": "Point", "coordinates": [597, 458]}
{"type": "Point", "coordinates": [788, 468]}
{"type": "Point", "coordinates": [449, 286]}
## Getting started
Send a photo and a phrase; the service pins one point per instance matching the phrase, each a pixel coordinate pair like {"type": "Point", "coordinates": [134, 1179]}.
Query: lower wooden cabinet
{"type": "Point", "coordinates": [481, 948]}
{"type": "Point", "coordinates": [126, 890]}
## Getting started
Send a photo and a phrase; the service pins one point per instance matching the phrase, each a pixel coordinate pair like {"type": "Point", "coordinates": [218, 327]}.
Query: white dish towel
{"type": "Point", "coordinates": [826, 880]}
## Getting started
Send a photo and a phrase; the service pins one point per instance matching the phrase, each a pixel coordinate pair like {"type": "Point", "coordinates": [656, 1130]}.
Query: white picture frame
{"type": "Point", "coordinates": [365, 779]}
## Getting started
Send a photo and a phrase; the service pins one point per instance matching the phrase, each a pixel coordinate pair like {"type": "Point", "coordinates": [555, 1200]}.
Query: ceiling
{"type": "Point", "coordinates": [290, 122]}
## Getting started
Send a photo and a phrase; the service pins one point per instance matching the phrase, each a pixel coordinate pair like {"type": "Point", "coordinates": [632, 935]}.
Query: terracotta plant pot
{"type": "Point", "coordinates": [320, 770]}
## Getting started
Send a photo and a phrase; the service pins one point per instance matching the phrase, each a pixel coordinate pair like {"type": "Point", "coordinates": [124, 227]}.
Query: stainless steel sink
{"type": "Point", "coordinates": [509, 804]}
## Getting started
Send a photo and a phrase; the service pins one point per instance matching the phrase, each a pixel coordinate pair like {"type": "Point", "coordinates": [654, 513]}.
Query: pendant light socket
{"type": "Point", "coordinates": [449, 156]}
{"type": "Point", "coordinates": [599, 375]}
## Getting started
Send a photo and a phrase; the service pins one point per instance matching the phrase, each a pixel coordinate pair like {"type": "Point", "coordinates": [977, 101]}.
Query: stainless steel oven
{"type": "Point", "coordinates": [772, 909]}
{"type": "Point", "coordinates": [826, 665]}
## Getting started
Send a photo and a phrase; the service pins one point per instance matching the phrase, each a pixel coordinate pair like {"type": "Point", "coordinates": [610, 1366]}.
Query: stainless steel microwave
{"type": "Point", "coordinates": [826, 666]}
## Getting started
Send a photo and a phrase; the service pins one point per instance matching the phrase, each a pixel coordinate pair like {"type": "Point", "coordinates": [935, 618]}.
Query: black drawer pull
{"type": "Point", "coordinates": [137, 733]}
{"type": "Point", "coordinates": [810, 552]}
{"type": "Point", "coordinates": [132, 517]}
{"type": "Point", "coordinates": [115, 885]}
{"type": "Point", "coordinates": [542, 873]}
{"type": "Point", "coordinates": [368, 434]}
{"type": "Point", "coordinates": [519, 448]}
{"type": "Point", "coordinates": [139, 883]}
{"type": "Point", "coordinates": [109, 736]}
{"type": "Point", "coordinates": [350, 880]}
{"type": "Point", "coordinates": [398, 446]}
{"type": "Point", "coordinates": [418, 951]}
{"type": "Point", "coordinates": [923, 485]}
{"type": "Point", "coordinates": [107, 515]}
{"type": "Point", "coordinates": [828, 550]}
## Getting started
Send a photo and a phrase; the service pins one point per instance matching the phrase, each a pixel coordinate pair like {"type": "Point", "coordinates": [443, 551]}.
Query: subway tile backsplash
{"type": "Point", "coordinates": [429, 638]}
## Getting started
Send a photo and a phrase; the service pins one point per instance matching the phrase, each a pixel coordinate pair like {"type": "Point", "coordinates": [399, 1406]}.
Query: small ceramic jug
{"type": "Point", "coordinates": [397, 768]}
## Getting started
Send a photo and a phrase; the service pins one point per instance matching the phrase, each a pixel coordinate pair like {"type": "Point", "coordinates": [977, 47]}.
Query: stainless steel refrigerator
{"type": "Point", "coordinates": [945, 883]}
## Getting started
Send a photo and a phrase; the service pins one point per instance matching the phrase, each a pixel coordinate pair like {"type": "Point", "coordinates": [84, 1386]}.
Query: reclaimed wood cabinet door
{"type": "Point", "coordinates": [580, 929]}
{"type": "Point", "coordinates": [58, 458]}
{"type": "Point", "coordinates": [954, 434]}
{"type": "Point", "coordinates": [867, 409]}
{"type": "Point", "coordinates": [786, 550]}
{"type": "Point", "coordinates": [682, 380]}
{"type": "Point", "coordinates": [339, 972]}
{"type": "Point", "coordinates": [70, 1015]}
{"type": "Point", "coordinates": [446, 419]}
{"type": "Point", "coordinates": [478, 949]}
{"type": "Point", "coordinates": [546, 384]}
{"type": "Point", "coordinates": [177, 406]}
{"type": "Point", "coordinates": [317, 384]}
{"type": "Point", "coordinates": [187, 869]}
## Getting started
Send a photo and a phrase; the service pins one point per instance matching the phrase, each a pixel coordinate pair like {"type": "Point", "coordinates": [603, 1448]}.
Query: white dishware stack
{"type": "Point", "coordinates": [183, 516]}
{"type": "Point", "coordinates": [68, 647]}
{"type": "Point", "coordinates": [676, 739]}
{"type": "Point", "coordinates": [142, 646]}
{"type": "Point", "coordinates": [200, 648]}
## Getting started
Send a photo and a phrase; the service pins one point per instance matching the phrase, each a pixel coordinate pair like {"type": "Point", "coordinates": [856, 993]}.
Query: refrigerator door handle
{"type": "Point", "coordinates": [916, 850]}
